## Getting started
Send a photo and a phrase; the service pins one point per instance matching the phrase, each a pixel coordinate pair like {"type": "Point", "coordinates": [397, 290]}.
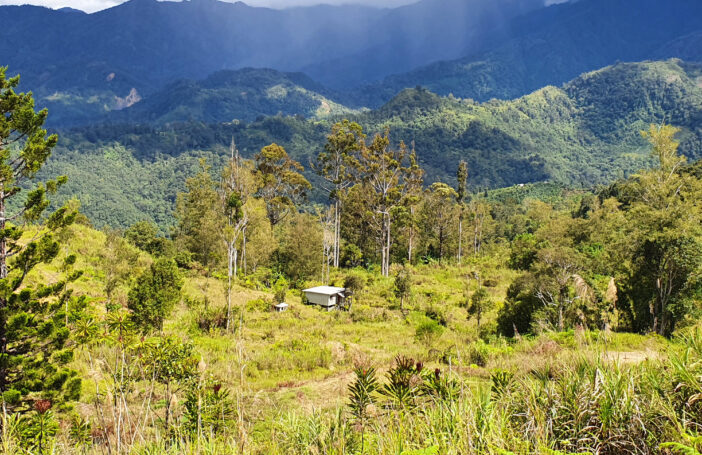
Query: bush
{"type": "Point", "coordinates": [154, 294]}
{"type": "Point", "coordinates": [428, 331]}
{"type": "Point", "coordinates": [479, 353]}
{"type": "Point", "coordinates": [184, 259]}
{"type": "Point", "coordinates": [354, 282]}
{"type": "Point", "coordinates": [437, 314]}
{"type": "Point", "coordinates": [212, 319]}
{"type": "Point", "coordinates": [258, 305]}
{"type": "Point", "coordinates": [519, 308]}
{"type": "Point", "coordinates": [208, 407]}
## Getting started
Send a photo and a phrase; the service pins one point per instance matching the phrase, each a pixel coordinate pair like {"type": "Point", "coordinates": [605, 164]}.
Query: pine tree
{"type": "Point", "coordinates": [33, 320]}
{"type": "Point", "coordinates": [154, 294]}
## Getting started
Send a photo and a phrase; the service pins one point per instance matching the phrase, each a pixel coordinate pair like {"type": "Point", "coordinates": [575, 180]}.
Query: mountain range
{"type": "Point", "coordinates": [583, 133]}
{"type": "Point", "coordinates": [85, 67]}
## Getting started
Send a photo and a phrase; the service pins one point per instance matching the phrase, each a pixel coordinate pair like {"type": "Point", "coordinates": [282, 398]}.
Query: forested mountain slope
{"type": "Point", "coordinates": [234, 95]}
{"type": "Point", "coordinates": [88, 64]}
{"type": "Point", "coordinates": [84, 66]}
{"type": "Point", "coordinates": [553, 45]}
{"type": "Point", "coordinates": [583, 133]}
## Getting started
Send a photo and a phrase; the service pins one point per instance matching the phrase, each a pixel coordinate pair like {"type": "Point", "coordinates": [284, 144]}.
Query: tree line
{"type": "Point", "coordinates": [626, 256]}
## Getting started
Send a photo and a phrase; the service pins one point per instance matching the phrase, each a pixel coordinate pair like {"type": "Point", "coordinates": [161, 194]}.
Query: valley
{"type": "Point", "coordinates": [446, 227]}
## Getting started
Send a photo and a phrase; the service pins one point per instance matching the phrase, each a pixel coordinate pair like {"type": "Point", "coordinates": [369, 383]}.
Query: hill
{"type": "Point", "coordinates": [583, 133]}
{"type": "Point", "coordinates": [227, 95]}
{"type": "Point", "coordinates": [553, 45]}
{"type": "Point", "coordinates": [84, 65]}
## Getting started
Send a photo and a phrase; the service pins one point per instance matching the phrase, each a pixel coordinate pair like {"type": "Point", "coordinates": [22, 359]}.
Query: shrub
{"type": "Point", "coordinates": [437, 314]}
{"type": "Point", "coordinates": [212, 318]}
{"type": "Point", "coordinates": [209, 406]}
{"type": "Point", "coordinates": [258, 305]}
{"type": "Point", "coordinates": [184, 259]}
{"type": "Point", "coordinates": [354, 282]}
{"type": "Point", "coordinates": [428, 331]}
{"type": "Point", "coordinates": [154, 294]}
{"type": "Point", "coordinates": [479, 353]}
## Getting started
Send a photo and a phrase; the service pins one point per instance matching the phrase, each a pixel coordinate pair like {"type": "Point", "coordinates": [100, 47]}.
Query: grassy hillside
{"type": "Point", "coordinates": [290, 372]}
{"type": "Point", "coordinates": [583, 133]}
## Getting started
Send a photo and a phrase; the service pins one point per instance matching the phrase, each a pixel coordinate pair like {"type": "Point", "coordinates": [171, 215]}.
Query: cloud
{"type": "Point", "coordinates": [85, 5]}
{"type": "Point", "coordinates": [97, 5]}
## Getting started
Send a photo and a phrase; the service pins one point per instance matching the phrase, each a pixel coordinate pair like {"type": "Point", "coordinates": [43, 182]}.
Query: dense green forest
{"type": "Point", "coordinates": [242, 95]}
{"type": "Point", "coordinates": [538, 318]}
{"type": "Point", "coordinates": [579, 135]}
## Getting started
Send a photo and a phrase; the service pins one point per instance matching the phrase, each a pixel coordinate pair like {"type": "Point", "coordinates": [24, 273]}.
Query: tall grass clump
{"type": "Point", "coordinates": [576, 404]}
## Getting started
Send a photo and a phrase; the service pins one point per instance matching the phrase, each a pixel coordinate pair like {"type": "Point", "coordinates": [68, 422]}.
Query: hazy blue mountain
{"type": "Point", "coordinates": [556, 44]}
{"type": "Point", "coordinates": [234, 95]}
{"type": "Point", "coordinates": [84, 65]}
{"type": "Point", "coordinates": [414, 35]}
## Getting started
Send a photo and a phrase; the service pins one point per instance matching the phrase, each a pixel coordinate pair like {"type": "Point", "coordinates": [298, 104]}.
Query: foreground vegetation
{"type": "Point", "coordinates": [479, 322]}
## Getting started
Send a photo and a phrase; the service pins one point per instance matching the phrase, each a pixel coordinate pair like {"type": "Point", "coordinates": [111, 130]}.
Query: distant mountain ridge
{"type": "Point", "coordinates": [241, 95]}
{"type": "Point", "coordinates": [84, 66]}
{"type": "Point", "coordinates": [81, 62]}
{"type": "Point", "coordinates": [580, 134]}
{"type": "Point", "coordinates": [554, 45]}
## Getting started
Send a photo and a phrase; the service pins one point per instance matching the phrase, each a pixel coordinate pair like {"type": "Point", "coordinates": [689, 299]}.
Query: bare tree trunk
{"type": "Point", "coordinates": [231, 271]}
{"type": "Point", "coordinates": [3, 301]}
{"type": "Point", "coordinates": [388, 242]}
{"type": "Point", "coordinates": [168, 404]}
{"type": "Point", "coordinates": [460, 238]}
{"type": "Point", "coordinates": [337, 233]}
{"type": "Point", "coordinates": [243, 250]}
{"type": "Point", "coordinates": [383, 245]}
{"type": "Point", "coordinates": [476, 230]}
{"type": "Point", "coordinates": [411, 235]}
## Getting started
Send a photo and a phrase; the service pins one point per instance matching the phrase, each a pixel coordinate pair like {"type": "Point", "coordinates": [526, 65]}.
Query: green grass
{"type": "Point", "coordinates": [289, 372]}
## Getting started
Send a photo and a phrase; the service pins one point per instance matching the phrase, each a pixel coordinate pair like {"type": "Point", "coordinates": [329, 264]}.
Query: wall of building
{"type": "Point", "coordinates": [321, 299]}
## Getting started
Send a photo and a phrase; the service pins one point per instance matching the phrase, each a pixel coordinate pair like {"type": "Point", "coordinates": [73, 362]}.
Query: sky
{"type": "Point", "coordinates": [96, 5]}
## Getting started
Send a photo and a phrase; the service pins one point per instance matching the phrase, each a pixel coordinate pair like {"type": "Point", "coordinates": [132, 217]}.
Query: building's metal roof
{"type": "Point", "coordinates": [325, 290]}
{"type": "Point", "coordinates": [282, 305]}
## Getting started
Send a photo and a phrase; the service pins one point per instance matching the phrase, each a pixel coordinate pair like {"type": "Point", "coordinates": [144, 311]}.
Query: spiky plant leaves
{"type": "Point", "coordinates": [501, 381]}
{"type": "Point", "coordinates": [404, 383]}
{"type": "Point", "coordinates": [209, 408]}
{"type": "Point", "coordinates": [362, 391]}
{"type": "Point", "coordinates": [440, 387]}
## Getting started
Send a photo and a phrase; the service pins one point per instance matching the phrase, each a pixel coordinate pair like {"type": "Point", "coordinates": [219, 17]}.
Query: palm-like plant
{"type": "Point", "coordinates": [361, 395]}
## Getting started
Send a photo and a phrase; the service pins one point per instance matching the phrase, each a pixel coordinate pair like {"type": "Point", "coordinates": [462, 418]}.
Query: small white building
{"type": "Point", "coordinates": [281, 307]}
{"type": "Point", "coordinates": [328, 297]}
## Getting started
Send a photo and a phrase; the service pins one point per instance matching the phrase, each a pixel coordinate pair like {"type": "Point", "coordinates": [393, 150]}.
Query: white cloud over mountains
{"type": "Point", "coordinates": [96, 5]}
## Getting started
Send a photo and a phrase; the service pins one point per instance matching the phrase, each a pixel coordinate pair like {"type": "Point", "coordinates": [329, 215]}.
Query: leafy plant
{"type": "Point", "coordinates": [404, 383]}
